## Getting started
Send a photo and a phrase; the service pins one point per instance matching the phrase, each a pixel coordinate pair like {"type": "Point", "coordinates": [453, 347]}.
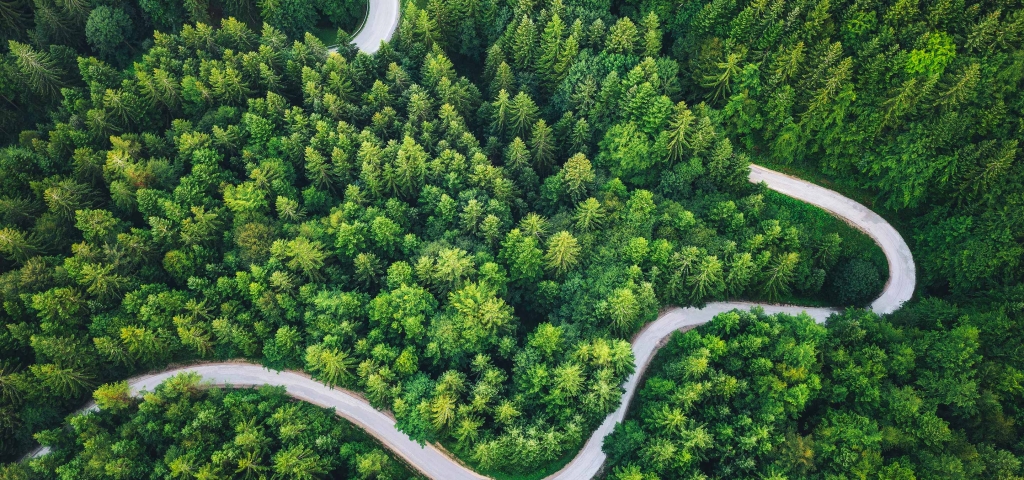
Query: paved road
{"type": "Point", "coordinates": [380, 23]}
{"type": "Point", "coordinates": [435, 464]}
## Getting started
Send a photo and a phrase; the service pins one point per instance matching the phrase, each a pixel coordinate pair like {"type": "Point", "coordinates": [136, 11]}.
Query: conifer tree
{"type": "Point", "coordinates": [542, 145]}
{"type": "Point", "coordinates": [38, 70]}
{"type": "Point", "coordinates": [551, 52]}
{"type": "Point", "coordinates": [521, 114]}
{"type": "Point", "coordinates": [622, 37]}
{"type": "Point", "coordinates": [524, 42]}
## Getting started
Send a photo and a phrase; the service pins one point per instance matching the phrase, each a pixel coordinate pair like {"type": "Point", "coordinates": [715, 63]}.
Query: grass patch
{"type": "Point", "coordinates": [855, 242]}
{"type": "Point", "coordinates": [328, 34]}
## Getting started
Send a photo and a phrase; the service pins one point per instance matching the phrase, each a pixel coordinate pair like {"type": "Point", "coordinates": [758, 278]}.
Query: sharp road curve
{"type": "Point", "coordinates": [380, 24]}
{"type": "Point", "coordinates": [898, 289]}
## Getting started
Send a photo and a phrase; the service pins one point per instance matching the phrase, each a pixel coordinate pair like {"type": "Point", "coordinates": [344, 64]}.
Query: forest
{"type": "Point", "coordinates": [185, 431]}
{"type": "Point", "coordinates": [930, 392]}
{"type": "Point", "coordinates": [119, 32]}
{"type": "Point", "coordinates": [916, 106]}
{"type": "Point", "coordinates": [470, 225]}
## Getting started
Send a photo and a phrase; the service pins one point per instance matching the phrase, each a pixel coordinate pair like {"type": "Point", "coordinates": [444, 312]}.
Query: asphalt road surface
{"type": "Point", "coordinates": [381, 22]}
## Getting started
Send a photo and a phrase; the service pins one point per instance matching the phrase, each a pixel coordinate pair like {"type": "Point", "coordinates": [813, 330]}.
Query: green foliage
{"type": "Point", "coordinates": [897, 397]}
{"type": "Point", "coordinates": [854, 282]}
{"type": "Point", "coordinates": [468, 225]}
{"type": "Point", "coordinates": [107, 30]}
{"type": "Point", "coordinates": [183, 430]}
{"type": "Point", "coordinates": [914, 103]}
{"type": "Point", "coordinates": [289, 16]}
{"type": "Point", "coordinates": [114, 397]}
{"type": "Point", "coordinates": [165, 15]}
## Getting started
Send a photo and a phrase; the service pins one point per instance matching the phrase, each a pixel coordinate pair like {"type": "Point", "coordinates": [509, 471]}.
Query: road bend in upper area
{"type": "Point", "coordinates": [902, 275]}
{"type": "Point", "coordinates": [380, 23]}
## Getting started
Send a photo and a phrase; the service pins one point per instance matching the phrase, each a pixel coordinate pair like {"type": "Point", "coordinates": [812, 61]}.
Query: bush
{"type": "Point", "coordinates": [855, 282]}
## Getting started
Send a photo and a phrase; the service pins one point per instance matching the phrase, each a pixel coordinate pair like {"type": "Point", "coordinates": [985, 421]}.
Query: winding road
{"type": "Point", "coordinates": [436, 464]}
{"type": "Point", "coordinates": [898, 289]}
{"type": "Point", "coordinates": [381, 22]}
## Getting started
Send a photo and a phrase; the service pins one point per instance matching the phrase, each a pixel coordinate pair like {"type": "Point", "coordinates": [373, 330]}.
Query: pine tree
{"type": "Point", "coordinates": [159, 88]}
{"type": "Point", "coordinates": [568, 382]}
{"type": "Point", "coordinates": [522, 113]}
{"type": "Point", "coordinates": [679, 132]}
{"type": "Point", "coordinates": [742, 270]}
{"type": "Point", "coordinates": [16, 246]}
{"type": "Point", "coordinates": [542, 143]}
{"type": "Point", "coordinates": [228, 85]}
{"type": "Point", "coordinates": [534, 225]}
{"type": "Point", "coordinates": [39, 71]}
{"type": "Point", "coordinates": [504, 79]}
{"type": "Point", "coordinates": [330, 365]}
{"type": "Point", "coordinates": [551, 45]}
{"type": "Point", "coordinates": [113, 397]}
{"type": "Point", "coordinates": [622, 37]}
{"type": "Point", "coordinates": [495, 56]}
{"type": "Point", "coordinates": [502, 109]}
{"type": "Point", "coordinates": [63, 381]}
{"type": "Point", "coordinates": [652, 35]}
{"type": "Point", "coordinates": [779, 276]}
{"type": "Point", "coordinates": [589, 215]}
{"type": "Point", "coordinates": [961, 89]}
{"type": "Point", "coordinates": [706, 280]}
{"type": "Point", "coordinates": [566, 57]}
{"type": "Point", "coordinates": [367, 268]}
{"type": "Point", "coordinates": [577, 175]}
{"type": "Point", "coordinates": [102, 282]}
{"type": "Point", "coordinates": [563, 252]}
{"type": "Point", "coordinates": [579, 139]}
{"type": "Point", "coordinates": [725, 72]}
{"type": "Point", "coordinates": [13, 18]}
{"type": "Point", "coordinates": [299, 462]}
{"type": "Point", "coordinates": [517, 156]}
{"type": "Point", "coordinates": [442, 410]}
{"type": "Point", "coordinates": [524, 43]}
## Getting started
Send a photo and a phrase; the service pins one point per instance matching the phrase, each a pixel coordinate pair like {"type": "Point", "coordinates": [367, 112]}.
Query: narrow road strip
{"type": "Point", "coordinates": [380, 23]}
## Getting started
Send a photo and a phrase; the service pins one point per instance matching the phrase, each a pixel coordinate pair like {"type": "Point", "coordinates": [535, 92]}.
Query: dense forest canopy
{"type": "Point", "coordinates": [185, 430]}
{"type": "Point", "coordinates": [380, 223]}
{"type": "Point", "coordinates": [930, 392]}
{"type": "Point", "coordinates": [917, 101]}
{"type": "Point", "coordinates": [917, 104]}
{"type": "Point", "coordinates": [41, 39]}
{"type": "Point", "coordinates": [469, 225]}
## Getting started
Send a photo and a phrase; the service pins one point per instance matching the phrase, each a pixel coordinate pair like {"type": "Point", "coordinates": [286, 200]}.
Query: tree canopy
{"type": "Point", "coordinates": [187, 430]}
{"type": "Point", "coordinates": [469, 225]}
